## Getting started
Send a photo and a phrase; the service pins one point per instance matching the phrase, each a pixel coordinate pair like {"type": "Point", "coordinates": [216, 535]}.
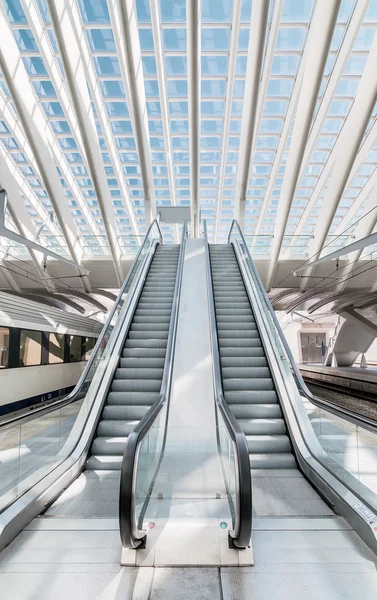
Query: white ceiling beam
{"type": "Point", "coordinates": [58, 80]}
{"type": "Point", "coordinates": [342, 56]}
{"type": "Point", "coordinates": [348, 144]}
{"type": "Point", "coordinates": [21, 218]}
{"type": "Point", "coordinates": [255, 55]}
{"type": "Point", "coordinates": [193, 19]}
{"type": "Point", "coordinates": [290, 113]}
{"type": "Point", "coordinates": [123, 17]}
{"type": "Point", "coordinates": [39, 135]}
{"type": "Point", "coordinates": [19, 135]}
{"type": "Point", "coordinates": [105, 121]}
{"type": "Point", "coordinates": [365, 147]}
{"type": "Point", "coordinates": [236, 19]}
{"type": "Point", "coordinates": [363, 229]}
{"type": "Point", "coordinates": [161, 78]}
{"type": "Point", "coordinates": [319, 40]}
{"type": "Point", "coordinates": [77, 85]}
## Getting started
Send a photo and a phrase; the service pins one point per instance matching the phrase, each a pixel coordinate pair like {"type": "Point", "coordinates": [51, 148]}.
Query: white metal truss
{"type": "Point", "coordinates": [125, 27]}
{"type": "Point", "coordinates": [193, 75]}
{"type": "Point", "coordinates": [38, 134]}
{"type": "Point", "coordinates": [252, 79]}
{"type": "Point", "coordinates": [228, 107]}
{"type": "Point", "coordinates": [348, 145]}
{"type": "Point", "coordinates": [319, 41]}
{"type": "Point", "coordinates": [75, 77]}
{"type": "Point", "coordinates": [40, 33]}
{"type": "Point", "coordinates": [160, 68]}
{"type": "Point", "coordinates": [94, 86]}
{"type": "Point", "coordinates": [284, 134]}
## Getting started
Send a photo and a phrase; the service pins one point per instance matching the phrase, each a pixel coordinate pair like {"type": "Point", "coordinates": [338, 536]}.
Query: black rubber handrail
{"type": "Point", "coordinates": [241, 534]}
{"type": "Point", "coordinates": [132, 536]}
{"type": "Point", "coordinates": [75, 394]}
{"type": "Point", "coordinates": [346, 413]}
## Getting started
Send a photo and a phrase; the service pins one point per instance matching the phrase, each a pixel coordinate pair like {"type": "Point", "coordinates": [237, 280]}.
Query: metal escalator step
{"type": "Point", "coordinates": [124, 413]}
{"type": "Point", "coordinates": [148, 335]}
{"type": "Point", "coordinates": [131, 363]}
{"type": "Point", "coordinates": [266, 444]}
{"type": "Point", "coordinates": [109, 446]}
{"type": "Point", "coordinates": [145, 352]}
{"type": "Point", "coordinates": [228, 310]}
{"type": "Point", "coordinates": [245, 342]}
{"type": "Point", "coordinates": [257, 396]}
{"type": "Point", "coordinates": [132, 398]}
{"type": "Point", "coordinates": [254, 348]}
{"type": "Point", "coordinates": [157, 326]}
{"type": "Point", "coordinates": [151, 319]}
{"type": "Point", "coordinates": [246, 372]}
{"type": "Point", "coordinates": [256, 411]}
{"type": "Point", "coordinates": [139, 372]}
{"type": "Point", "coordinates": [104, 463]}
{"type": "Point", "coordinates": [272, 461]}
{"type": "Point", "coordinates": [115, 427]}
{"type": "Point", "coordinates": [262, 426]}
{"type": "Point", "coordinates": [153, 313]}
{"type": "Point", "coordinates": [136, 385]}
{"type": "Point", "coordinates": [237, 334]}
{"type": "Point", "coordinates": [138, 343]}
{"type": "Point", "coordinates": [248, 384]}
{"type": "Point", "coordinates": [243, 361]}
{"type": "Point", "coordinates": [235, 319]}
{"type": "Point", "coordinates": [236, 326]}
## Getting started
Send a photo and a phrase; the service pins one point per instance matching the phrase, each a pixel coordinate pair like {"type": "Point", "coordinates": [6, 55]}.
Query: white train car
{"type": "Point", "coordinates": [43, 351]}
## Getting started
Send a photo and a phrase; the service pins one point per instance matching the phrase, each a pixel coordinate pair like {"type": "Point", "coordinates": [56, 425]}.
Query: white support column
{"type": "Point", "coordinates": [38, 134]}
{"type": "Point", "coordinates": [193, 17]}
{"type": "Point", "coordinates": [319, 40]}
{"type": "Point", "coordinates": [159, 56]}
{"type": "Point", "coordinates": [124, 23]}
{"type": "Point", "coordinates": [75, 77]}
{"type": "Point", "coordinates": [236, 18]}
{"type": "Point", "coordinates": [255, 54]}
{"type": "Point", "coordinates": [348, 144]}
{"type": "Point", "coordinates": [95, 90]}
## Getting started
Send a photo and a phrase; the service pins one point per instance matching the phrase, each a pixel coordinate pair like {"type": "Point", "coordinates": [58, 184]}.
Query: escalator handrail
{"type": "Point", "coordinates": [75, 393]}
{"type": "Point", "coordinates": [131, 536]}
{"type": "Point", "coordinates": [303, 388]}
{"type": "Point", "coordinates": [243, 522]}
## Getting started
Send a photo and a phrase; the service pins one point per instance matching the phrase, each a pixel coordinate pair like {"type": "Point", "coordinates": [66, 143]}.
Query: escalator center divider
{"type": "Point", "coordinates": [137, 381]}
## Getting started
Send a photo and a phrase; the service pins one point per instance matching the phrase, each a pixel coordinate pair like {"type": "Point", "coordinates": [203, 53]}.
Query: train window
{"type": "Point", "coordinates": [4, 347]}
{"type": "Point", "coordinates": [75, 351]}
{"type": "Point", "coordinates": [89, 345]}
{"type": "Point", "coordinates": [56, 348]}
{"type": "Point", "coordinates": [30, 348]}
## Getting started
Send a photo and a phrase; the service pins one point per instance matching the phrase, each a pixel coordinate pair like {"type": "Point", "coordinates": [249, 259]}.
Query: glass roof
{"type": "Point", "coordinates": [163, 73]}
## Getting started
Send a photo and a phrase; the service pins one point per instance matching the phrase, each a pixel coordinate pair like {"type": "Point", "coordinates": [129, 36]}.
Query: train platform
{"type": "Point", "coordinates": [357, 381]}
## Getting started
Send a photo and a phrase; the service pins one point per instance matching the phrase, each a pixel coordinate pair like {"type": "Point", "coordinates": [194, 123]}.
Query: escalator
{"type": "Point", "coordinates": [74, 448]}
{"type": "Point", "coordinates": [248, 385]}
{"type": "Point", "coordinates": [137, 381]}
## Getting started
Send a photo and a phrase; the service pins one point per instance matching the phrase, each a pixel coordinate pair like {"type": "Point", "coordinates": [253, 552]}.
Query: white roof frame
{"type": "Point", "coordinates": [348, 144]}
{"type": "Point", "coordinates": [318, 44]}
{"type": "Point", "coordinates": [39, 135]}
{"type": "Point", "coordinates": [75, 77]}
{"type": "Point", "coordinates": [255, 55]}
{"type": "Point", "coordinates": [193, 17]}
{"type": "Point", "coordinates": [125, 26]}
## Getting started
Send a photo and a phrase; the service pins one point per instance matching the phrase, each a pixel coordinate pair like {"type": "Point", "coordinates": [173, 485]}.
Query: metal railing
{"type": "Point", "coordinates": [146, 443]}
{"type": "Point", "coordinates": [231, 440]}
